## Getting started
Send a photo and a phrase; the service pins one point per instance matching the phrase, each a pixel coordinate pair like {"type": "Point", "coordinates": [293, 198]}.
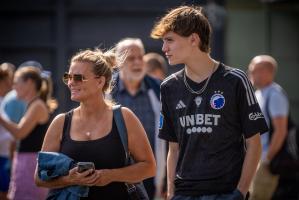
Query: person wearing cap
{"type": "Point", "coordinates": [11, 105]}
{"type": "Point", "coordinates": [35, 90]}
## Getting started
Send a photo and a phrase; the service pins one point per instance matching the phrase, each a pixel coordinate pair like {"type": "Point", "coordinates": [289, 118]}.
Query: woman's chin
{"type": "Point", "coordinates": [75, 98]}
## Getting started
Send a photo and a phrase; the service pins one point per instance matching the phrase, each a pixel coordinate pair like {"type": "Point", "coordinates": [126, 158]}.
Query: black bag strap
{"type": "Point", "coordinates": [267, 113]}
{"type": "Point", "coordinates": [122, 130]}
{"type": "Point", "coordinates": [123, 133]}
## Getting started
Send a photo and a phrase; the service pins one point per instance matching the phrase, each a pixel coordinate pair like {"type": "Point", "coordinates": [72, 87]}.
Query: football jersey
{"type": "Point", "coordinates": [210, 128]}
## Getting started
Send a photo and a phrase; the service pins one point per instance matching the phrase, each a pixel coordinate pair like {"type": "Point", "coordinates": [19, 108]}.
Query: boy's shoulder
{"type": "Point", "coordinates": [172, 79]}
{"type": "Point", "coordinates": [233, 73]}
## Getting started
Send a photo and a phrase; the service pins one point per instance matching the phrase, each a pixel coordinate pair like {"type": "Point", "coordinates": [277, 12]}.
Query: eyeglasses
{"type": "Point", "coordinates": [77, 78]}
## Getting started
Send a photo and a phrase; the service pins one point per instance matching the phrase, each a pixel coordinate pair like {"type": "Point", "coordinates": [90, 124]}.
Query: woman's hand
{"type": "Point", "coordinates": [104, 177]}
{"type": "Point", "coordinates": [86, 178]}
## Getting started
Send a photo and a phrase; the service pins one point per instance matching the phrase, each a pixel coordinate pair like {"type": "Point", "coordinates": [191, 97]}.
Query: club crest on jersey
{"type": "Point", "coordinates": [198, 100]}
{"type": "Point", "coordinates": [217, 100]}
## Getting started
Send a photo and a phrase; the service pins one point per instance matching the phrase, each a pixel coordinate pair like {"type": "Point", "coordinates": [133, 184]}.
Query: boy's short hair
{"type": "Point", "coordinates": [185, 20]}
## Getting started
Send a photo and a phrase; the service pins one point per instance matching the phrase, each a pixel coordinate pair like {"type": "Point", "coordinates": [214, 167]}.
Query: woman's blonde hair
{"type": "Point", "coordinates": [103, 64]}
{"type": "Point", "coordinates": [43, 84]}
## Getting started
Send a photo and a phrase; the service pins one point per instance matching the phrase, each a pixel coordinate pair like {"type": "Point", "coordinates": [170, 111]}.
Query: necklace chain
{"type": "Point", "coordinates": [203, 87]}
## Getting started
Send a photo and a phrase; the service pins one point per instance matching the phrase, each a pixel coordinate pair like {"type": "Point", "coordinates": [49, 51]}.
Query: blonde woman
{"type": "Point", "coordinates": [89, 133]}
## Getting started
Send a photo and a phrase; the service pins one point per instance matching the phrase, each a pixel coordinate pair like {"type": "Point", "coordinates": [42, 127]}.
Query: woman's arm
{"type": "Point", "coordinates": [139, 147]}
{"type": "Point", "coordinates": [36, 113]}
{"type": "Point", "coordinates": [52, 143]}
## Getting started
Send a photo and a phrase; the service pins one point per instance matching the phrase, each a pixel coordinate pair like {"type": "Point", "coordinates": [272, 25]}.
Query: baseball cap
{"type": "Point", "coordinates": [31, 63]}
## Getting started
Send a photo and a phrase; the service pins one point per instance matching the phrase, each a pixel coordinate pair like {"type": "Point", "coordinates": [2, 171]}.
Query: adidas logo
{"type": "Point", "coordinates": [180, 105]}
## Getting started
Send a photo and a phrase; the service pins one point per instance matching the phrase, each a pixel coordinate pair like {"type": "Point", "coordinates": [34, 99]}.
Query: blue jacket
{"type": "Point", "coordinates": [52, 165]}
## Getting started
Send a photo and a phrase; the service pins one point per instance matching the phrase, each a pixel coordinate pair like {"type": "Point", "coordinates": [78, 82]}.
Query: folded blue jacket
{"type": "Point", "coordinates": [52, 165]}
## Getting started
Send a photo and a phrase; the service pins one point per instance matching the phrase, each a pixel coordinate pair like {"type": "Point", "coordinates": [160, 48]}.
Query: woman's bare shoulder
{"type": "Point", "coordinates": [127, 112]}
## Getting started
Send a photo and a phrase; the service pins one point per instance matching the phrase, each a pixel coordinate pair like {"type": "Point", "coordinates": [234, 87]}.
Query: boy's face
{"type": "Point", "coordinates": [177, 48]}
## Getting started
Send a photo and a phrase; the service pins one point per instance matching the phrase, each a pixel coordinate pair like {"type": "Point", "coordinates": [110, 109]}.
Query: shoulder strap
{"type": "Point", "coordinates": [122, 129]}
{"type": "Point", "coordinates": [66, 124]}
{"type": "Point", "coordinates": [268, 114]}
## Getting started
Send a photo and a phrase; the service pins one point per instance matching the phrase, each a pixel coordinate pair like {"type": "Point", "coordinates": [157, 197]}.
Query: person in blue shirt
{"type": "Point", "coordinates": [6, 80]}
{"type": "Point", "coordinates": [11, 105]}
{"type": "Point", "coordinates": [275, 105]}
{"type": "Point", "coordinates": [35, 89]}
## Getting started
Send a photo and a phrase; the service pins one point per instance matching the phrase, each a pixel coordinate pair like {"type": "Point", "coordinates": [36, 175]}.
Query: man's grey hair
{"type": "Point", "coordinates": [123, 44]}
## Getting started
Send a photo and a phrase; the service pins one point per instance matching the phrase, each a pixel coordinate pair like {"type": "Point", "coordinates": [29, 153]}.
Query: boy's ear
{"type": "Point", "coordinates": [195, 39]}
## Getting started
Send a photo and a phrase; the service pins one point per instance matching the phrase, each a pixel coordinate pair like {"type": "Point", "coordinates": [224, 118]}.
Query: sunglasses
{"type": "Point", "coordinates": [77, 78]}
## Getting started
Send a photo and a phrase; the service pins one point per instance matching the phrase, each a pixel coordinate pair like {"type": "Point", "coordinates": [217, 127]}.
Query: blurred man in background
{"type": "Point", "coordinates": [275, 105]}
{"type": "Point", "coordinates": [140, 92]}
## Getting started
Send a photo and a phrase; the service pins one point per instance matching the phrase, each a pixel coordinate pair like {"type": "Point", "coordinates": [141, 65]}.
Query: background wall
{"type": "Point", "coordinates": [266, 28]}
{"type": "Point", "coordinates": [51, 31]}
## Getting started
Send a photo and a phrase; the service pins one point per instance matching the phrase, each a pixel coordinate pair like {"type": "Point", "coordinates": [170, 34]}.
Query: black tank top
{"type": "Point", "coordinates": [33, 142]}
{"type": "Point", "coordinates": [106, 153]}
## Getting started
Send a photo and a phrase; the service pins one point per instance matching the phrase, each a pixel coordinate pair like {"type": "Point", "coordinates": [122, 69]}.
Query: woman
{"type": "Point", "coordinates": [35, 90]}
{"type": "Point", "coordinates": [91, 134]}
{"type": "Point", "coordinates": [6, 79]}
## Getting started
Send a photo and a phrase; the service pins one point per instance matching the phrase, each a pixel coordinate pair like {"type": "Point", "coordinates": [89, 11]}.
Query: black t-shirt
{"type": "Point", "coordinates": [210, 129]}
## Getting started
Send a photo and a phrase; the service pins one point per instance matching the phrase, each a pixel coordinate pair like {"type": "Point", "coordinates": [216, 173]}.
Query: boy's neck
{"type": "Point", "coordinates": [200, 68]}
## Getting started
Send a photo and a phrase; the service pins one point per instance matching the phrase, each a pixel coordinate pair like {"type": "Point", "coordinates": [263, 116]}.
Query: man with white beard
{"type": "Point", "coordinates": [141, 93]}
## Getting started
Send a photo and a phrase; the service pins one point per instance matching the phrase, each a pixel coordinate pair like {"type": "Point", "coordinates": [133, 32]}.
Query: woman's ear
{"type": "Point", "coordinates": [101, 81]}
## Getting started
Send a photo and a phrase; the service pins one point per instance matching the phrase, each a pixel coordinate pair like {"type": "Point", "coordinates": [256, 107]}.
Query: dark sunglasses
{"type": "Point", "coordinates": [77, 78]}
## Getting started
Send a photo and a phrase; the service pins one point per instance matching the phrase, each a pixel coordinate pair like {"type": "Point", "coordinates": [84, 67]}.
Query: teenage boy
{"type": "Point", "coordinates": [210, 116]}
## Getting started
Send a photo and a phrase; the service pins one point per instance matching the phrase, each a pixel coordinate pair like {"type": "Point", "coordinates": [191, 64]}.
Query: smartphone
{"type": "Point", "coordinates": [83, 166]}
